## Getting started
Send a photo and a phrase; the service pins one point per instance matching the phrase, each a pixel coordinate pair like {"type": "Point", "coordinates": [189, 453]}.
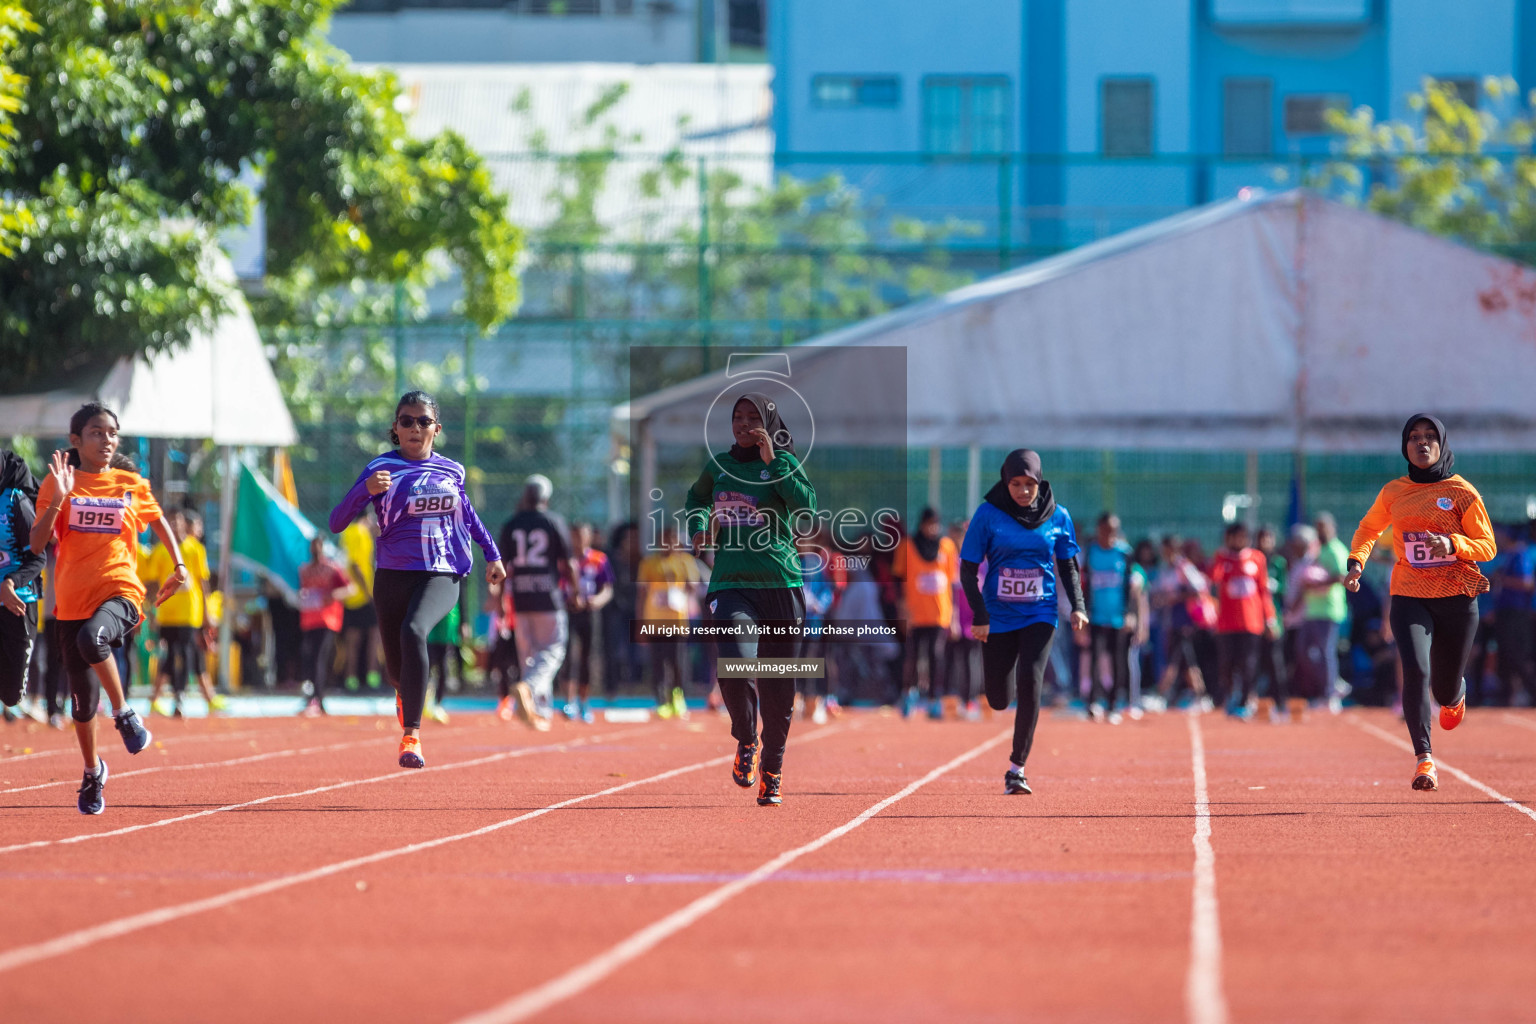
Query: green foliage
{"type": "Point", "coordinates": [1457, 170]}
{"type": "Point", "coordinates": [141, 116]}
{"type": "Point", "coordinates": [794, 250]}
{"type": "Point", "coordinates": [14, 23]}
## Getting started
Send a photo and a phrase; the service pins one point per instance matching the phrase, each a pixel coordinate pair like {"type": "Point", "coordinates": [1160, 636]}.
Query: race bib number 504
{"type": "Point", "coordinates": [1025, 585]}
{"type": "Point", "coordinates": [97, 515]}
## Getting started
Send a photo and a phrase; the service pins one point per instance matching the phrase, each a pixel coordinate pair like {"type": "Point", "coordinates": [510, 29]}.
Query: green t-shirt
{"type": "Point", "coordinates": [751, 505]}
{"type": "Point", "coordinates": [1330, 604]}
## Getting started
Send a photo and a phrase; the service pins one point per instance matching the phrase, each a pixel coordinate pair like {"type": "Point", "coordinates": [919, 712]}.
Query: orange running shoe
{"type": "Point", "coordinates": [1425, 777]}
{"type": "Point", "coordinates": [504, 709]}
{"type": "Point", "coordinates": [1450, 717]}
{"type": "Point", "coordinates": [410, 752]}
{"type": "Point", "coordinates": [768, 794]}
{"type": "Point", "coordinates": [744, 770]}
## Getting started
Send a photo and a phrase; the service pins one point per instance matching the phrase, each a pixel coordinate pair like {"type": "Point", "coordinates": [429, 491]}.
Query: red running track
{"type": "Point", "coordinates": [286, 870]}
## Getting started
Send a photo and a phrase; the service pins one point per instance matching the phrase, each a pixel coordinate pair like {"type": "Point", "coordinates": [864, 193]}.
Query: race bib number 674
{"type": "Point", "coordinates": [1419, 552]}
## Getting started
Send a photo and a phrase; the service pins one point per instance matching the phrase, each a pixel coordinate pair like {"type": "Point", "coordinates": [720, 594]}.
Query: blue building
{"type": "Point", "coordinates": [1052, 122]}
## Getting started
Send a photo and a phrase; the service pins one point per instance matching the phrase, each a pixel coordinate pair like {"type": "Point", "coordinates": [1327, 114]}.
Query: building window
{"type": "Point", "coordinates": [856, 90]}
{"type": "Point", "coordinates": [745, 24]}
{"type": "Point", "coordinates": [1308, 115]}
{"type": "Point", "coordinates": [1248, 127]}
{"type": "Point", "coordinates": [1465, 87]}
{"type": "Point", "coordinates": [1126, 117]}
{"type": "Point", "coordinates": [966, 115]}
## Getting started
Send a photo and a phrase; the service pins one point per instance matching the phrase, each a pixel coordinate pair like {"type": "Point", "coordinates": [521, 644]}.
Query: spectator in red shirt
{"type": "Point", "coordinates": [323, 585]}
{"type": "Point", "coordinates": [1245, 613]}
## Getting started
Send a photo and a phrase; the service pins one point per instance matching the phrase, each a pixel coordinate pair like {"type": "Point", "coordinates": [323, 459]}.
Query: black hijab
{"type": "Point", "coordinates": [1441, 470]}
{"type": "Point", "coordinates": [927, 547]}
{"type": "Point", "coordinates": [15, 473]}
{"type": "Point", "coordinates": [1023, 462]}
{"type": "Point", "coordinates": [768, 412]}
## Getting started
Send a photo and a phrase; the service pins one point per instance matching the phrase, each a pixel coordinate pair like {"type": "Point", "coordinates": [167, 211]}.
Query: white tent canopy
{"type": "Point", "coordinates": [1284, 322]}
{"type": "Point", "coordinates": [220, 386]}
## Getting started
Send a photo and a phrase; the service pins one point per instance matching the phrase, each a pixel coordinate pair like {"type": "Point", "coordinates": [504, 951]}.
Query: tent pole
{"type": "Point", "coordinates": [972, 478]}
{"type": "Point", "coordinates": [226, 574]}
{"type": "Point", "coordinates": [935, 475]}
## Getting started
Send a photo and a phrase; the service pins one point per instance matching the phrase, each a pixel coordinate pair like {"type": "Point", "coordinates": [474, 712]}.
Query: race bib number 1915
{"type": "Point", "coordinates": [97, 515]}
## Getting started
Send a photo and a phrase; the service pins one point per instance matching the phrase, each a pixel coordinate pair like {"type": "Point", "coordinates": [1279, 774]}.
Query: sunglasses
{"type": "Point", "coordinates": [406, 422]}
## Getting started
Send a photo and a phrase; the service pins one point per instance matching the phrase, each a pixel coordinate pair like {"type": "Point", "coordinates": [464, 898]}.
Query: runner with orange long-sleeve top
{"type": "Point", "coordinates": [1440, 531]}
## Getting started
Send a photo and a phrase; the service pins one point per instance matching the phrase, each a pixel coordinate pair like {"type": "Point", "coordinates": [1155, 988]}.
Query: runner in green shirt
{"type": "Point", "coordinates": [746, 498]}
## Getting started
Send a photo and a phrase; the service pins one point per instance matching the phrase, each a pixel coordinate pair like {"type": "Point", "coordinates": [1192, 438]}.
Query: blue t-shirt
{"type": "Point", "coordinates": [1020, 588]}
{"type": "Point", "coordinates": [1518, 565]}
{"type": "Point", "coordinates": [1107, 583]}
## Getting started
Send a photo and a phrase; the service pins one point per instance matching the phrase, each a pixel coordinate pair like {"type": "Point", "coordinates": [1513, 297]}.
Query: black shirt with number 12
{"type": "Point", "coordinates": [535, 543]}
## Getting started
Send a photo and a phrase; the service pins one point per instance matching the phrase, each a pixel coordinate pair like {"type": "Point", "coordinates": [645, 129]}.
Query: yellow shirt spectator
{"type": "Point", "coordinates": [185, 607]}
{"type": "Point", "coordinates": [357, 542]}
{"type": "Point", "coordinates": [666, 578]}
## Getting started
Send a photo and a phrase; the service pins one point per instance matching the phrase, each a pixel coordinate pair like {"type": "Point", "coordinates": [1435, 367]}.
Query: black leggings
{"type": "Point", "coordinates": [925, 645]}
{"type": "Point", "coordinates": [578, 649]}
{"type": "Point", "coordinates": [88, 642]}
{"type": "Point", "coordinates": [319, 654]}
{"type": "Point", "coordinates": [1237, 662]}
{"type": "Point", "coordinates": [410, 603]}
{"type": "Point", "coordinates": [1434, 639]}
{"type": "Point", "coordinates": [1113, 643]}
{"type": "Point", "coordinates": [1029, 649]}
{"type": "Point", "coordinates": [181, 656]}
{"type": "Point", "coordinates": [772, 699]}
{"type": "Point", "coordinates": [17, 635]}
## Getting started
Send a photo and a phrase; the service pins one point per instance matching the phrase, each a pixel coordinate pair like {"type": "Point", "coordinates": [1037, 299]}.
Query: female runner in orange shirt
{"type": "Point", "coordinates": [1440, 531]}
{"type": "Point", "coordinates": [96, 505]}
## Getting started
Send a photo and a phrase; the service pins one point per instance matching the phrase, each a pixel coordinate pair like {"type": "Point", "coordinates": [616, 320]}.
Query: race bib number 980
{"type": "Point", "coordinates": [1417, 549]}
{"type": "Point", "coordinates": [1026, 585]}
{"type": "Point", "coordinates": [433, 503]}
{"type": "Point", "coordinates": [97, 515]}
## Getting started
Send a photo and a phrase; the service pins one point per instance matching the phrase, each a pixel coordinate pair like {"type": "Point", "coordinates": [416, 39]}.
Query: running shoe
{"type": "Point", "coordinates": [679, 704]}
{"type": "Point", "coordinates": [571, 711]}
{"type": "Point", "coordinates": [935, 711]}
{"type": "Point", "coordinates": [1096, 712]}
{"type": "Point", "coordinates": [1450, 717]}
{"type": "Point", "coordinates": [744, 771]}
{"type": "Point", "coordinates": [161, 707]}
{"type": "Point", "coordinates": [1114, 718]}
{"type": "Point", "coordinates": [437, 714]}
{"type": "Point", "coordinates": [1014, 782]}
{"type": "Point", "coordinates": [410, 752]}
{"type": "Point", "coordinates": [768, 791]}
{"type": "Point", "coordinates": [504, 709]}
{"type": "Point", "coordinates": [526, 711]}
{"type": "Point", "coordinates": [351, 684]}
{"type": "Point", "coordinates": [218, 704]}
{"type": "Point", "coordinates": [91, 800]}
{"type": "Point", "coordinates": [135, 736]}
{"type": "Point", "coordinates": [664, 710]}
{"type": "Point", "coordinates": [908, 702]}
{"type": "Point", "coordinates": [312, 709]}
{"type": "Point", "coordinates": [374, 680]}
{"type": "Point", "coordinates": [56, 721]}
{"type": "Point", "coordinates": [10, 713]}
{"type": "Point", "coordinates": [819, 713]}
{"type": "Point", "coordinates": [1425, 777]}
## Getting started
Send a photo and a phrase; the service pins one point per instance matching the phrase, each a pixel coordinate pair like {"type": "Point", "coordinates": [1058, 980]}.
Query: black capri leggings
{"type": "Point", "coordinates": [1029, 649]}
{"type": "Point", "coordinates": [182, 657]}
{"type": "Point", "coordinates": [87, 642]}
{"type": "Point", "coordinates": [410, 602]}
{"type": "Point", "coordinates": [925, 646]}
{"type": "Point", "coordinates": [771, 698]}
{"type": "Point", "coordinates": [17, 635]}
{"type": "Point", "coordinates": [1434, 639]}
{"type": "Point", "coordinates": [1237, 666]}
{"type": "Point", "coordinates": [1114, 644]}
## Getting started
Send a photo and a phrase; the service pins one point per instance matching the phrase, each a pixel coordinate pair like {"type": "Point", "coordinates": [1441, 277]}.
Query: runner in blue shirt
{"type": "Point", "coordinates": [1029, 545]}
{"type": "Point", "coordinates": [1111, 619]}
{"type": "Point", "coordinates": [426, 524]}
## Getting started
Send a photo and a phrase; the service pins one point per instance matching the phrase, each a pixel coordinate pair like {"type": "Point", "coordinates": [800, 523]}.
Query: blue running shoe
{"type": "Point", "coordinates": [91, 800]}
{"type": "Point", "coordinates": [135, 736]}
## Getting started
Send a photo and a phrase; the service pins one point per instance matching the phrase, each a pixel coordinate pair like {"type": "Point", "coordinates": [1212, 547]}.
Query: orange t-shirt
{"type": "Point", "coordinates": [98, 532]}
{"type": "Point", "coordinates": [1452, 507]}
{"type": "Point", "coordinates": [928, 586]}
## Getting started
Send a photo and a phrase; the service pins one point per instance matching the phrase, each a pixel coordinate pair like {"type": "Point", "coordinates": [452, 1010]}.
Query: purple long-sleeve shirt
{"type": "Point", "coordinates": [426, 521]}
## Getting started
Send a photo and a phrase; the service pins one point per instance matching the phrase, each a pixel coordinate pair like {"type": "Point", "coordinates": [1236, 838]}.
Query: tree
{"type": "Point", "coordinates": [14, 22]}
{"type": "Point", "coordinates": [1460, 170]}
{"type": "Point", "coordinates": [140, 118]}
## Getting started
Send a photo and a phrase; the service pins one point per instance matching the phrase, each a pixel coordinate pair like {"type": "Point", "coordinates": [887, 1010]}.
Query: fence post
{"type": "Point", "coordinates": [1004, 211]}
{"type": "Point", "coordinates": [705, 299]}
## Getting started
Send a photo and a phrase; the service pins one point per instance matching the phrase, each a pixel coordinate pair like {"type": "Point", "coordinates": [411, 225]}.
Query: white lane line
{"type": "Point", "coordinates": [178, 740]}
{"type": "Point", "coordinates": [1204, 999]}
{"type": "Point", "coordinates": [398, 774]}
{"type": "Point", "coordinates": [1525, 723]}
{"type": "Point", "coordinates": [77, 940]}
{"type": "Point", "coordinates": [204, 764]}
{"type": "Point", "coordinates": [1398, 741]}
{"type": "Point", "coordinates": [584, 976]}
